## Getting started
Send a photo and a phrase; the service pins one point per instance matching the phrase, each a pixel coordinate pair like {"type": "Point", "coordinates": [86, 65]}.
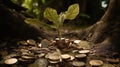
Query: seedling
{"type": "Point", "coordinates": [58, 20]}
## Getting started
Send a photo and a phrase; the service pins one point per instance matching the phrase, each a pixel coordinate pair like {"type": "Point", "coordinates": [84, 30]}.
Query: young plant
{"type": "Point", "coordinates": [58, 20]}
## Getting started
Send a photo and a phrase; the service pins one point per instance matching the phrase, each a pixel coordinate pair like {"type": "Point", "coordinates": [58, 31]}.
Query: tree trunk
{"type": "Point", "coordinates": [106, 32]}
{"type": "Point", "coordinates": [12, 25]}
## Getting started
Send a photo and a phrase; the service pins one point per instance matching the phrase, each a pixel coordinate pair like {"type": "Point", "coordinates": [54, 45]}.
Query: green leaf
{"type": "Point", "coordinates": [43, 1]}
{"type": "Point", "coordinates": [28, 4]}
{"type": "Point", "coordinates": [51, 14]}
{"type": "Point", "coordinates": [53, 26]}
{"type": "Point", "coordinates": [33, 22]}
{"type": "Point", "coordinates": [62, 17]}
{"type": "Point", "coordinates": [72, 11]}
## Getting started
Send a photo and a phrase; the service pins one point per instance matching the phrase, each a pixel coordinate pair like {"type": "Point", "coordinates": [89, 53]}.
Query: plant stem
{"type": "Point", "coordinates": [59, 33]}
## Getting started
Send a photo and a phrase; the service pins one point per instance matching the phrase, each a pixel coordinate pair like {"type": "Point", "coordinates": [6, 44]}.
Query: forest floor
{"type": "Point", "coordinates": [49, 53]}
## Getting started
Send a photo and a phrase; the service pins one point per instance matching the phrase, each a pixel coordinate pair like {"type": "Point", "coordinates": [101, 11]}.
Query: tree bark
{"type": "Point", "coordinates": [106, 32]}
{"type": "Point", "coordinates": [12, 25]}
